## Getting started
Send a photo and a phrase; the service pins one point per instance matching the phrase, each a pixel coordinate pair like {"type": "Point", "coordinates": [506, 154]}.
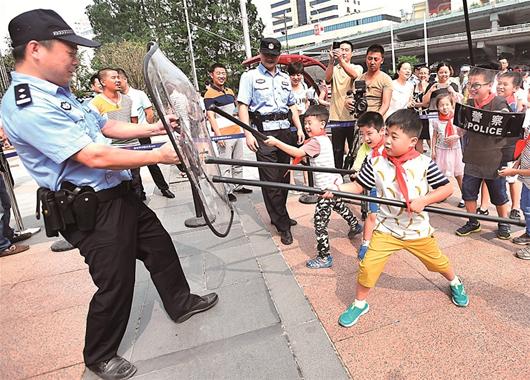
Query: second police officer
{"type": "Point", "coordinates": [265, 98]}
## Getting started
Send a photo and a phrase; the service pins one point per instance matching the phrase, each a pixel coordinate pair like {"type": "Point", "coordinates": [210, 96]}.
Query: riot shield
{"type": "Point", "coordinates": [489, 118]}
{"type": "Point", "coordinates": [172, 93]}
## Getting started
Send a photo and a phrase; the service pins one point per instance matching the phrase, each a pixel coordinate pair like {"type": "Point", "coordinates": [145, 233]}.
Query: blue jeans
{"type": "Point", "coordinates": [525, 206]}
{"type": "Point", "coordinates": [6, 232]}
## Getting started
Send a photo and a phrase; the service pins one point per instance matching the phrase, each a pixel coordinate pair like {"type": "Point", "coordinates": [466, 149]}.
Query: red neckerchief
{"type": "Point", "coordinates": [297, 160]}
{"type": "Point", "coordinates": [486, 101]}
{"type": "Point", "coordinates": [375, 149]}
{"type": "Point", "coordinates": [519, 147]}
{"type": "Point", "coordinates": [398, 163]}
{"type": "Point", "coordinates": [449, 130]}
{"type": "Point", "coordinates": [510, 99]}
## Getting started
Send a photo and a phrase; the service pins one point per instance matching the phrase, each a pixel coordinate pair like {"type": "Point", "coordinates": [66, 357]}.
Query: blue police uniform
{"type": "Point", "coordinates": [47, 132]}
{"type": "Point", "coordinates": [271, 96]}
{"type": "Point", "coordinates": [47, 126]}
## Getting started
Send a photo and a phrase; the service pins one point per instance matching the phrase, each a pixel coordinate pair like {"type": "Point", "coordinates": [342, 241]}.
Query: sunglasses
{"type": "Point", "coordinates": [476, 85]}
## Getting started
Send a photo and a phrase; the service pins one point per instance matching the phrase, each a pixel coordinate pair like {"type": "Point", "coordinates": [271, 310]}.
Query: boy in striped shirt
{"type": "Point", "coordinates": [403, 174]}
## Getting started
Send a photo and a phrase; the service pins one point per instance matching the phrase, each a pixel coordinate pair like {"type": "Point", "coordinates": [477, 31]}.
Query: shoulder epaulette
{"type": "Point", "coordinates": [22, 95]}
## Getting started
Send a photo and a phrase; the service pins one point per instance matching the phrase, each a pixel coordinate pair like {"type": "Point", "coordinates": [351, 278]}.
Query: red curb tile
{"type": "Point", "coordinates": [433, 345]}
{"type": "Point", "coordinates": [43, 343]}
{"type": "Point", "coordinates": [45, 295]}
{"type": "Point", "coordinates": [413, 330]}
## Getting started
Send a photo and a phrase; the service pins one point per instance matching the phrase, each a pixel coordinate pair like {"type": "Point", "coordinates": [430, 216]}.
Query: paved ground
{"type": "Point", "coordinates": [262, 328]}
{"type": "Point", "coordinates": [269, 323]}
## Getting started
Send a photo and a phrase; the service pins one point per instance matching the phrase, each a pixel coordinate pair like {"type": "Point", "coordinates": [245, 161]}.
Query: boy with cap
{"type": "Point", "coordinates": [64, 145]}
{"type": "Point", "coordinates": [265, 98]}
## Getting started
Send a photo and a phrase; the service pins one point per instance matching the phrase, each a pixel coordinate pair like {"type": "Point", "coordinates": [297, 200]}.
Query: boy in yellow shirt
{"type": "Point", "coordinates": [403, 174]}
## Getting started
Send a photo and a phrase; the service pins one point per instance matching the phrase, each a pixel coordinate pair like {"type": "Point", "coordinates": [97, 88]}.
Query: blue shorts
{"type": "Point", "coordinates": [373, 207]}
{"type": "Point", "coordinates": [496, 188]}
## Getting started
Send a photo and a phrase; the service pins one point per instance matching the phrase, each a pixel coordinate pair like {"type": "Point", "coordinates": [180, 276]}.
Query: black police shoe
{"type": "Point", "coordinates": [116, 368]}
{"type": "Point", "coordinates": [20, 237]}
{"type": "Point", "coordinates": [167, 193]}
{"type": "Point", "coordinates": [286, 237]}
{"type": "Point", "coordinates": [243, 190]}
{"type": "Point", "coordinates": [203, 303]}
{"type": "Point", "coordinates": [61, 246]}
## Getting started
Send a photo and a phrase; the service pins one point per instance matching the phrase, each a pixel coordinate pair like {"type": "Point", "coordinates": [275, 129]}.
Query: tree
{"type": "Point", "coordinates": [127, 55]}
{"type": "Point", "coordinates": [216, 30]}
{"type": "Point", "coordinates": [412, 59]}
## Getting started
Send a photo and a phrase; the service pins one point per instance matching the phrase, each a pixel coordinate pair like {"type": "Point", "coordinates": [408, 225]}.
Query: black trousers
{"type": "Point", "coordinates": [276, 199]}
{"type": "Point", "coordinates": [155, 171]}
{"type": "Point", "coordinates": [338, 136]}
{"type": "Point", "coordinates": [126, 230]}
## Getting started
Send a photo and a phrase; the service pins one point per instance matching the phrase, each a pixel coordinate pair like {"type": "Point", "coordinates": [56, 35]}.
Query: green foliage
{"type": "Point", "coordinates": [412, 59]}
{"type": "Point", "coordinates": [127, 55]}
{"type": "Point", "coordinates": [80, 83]}
{"type": "Point", "coordinates": [217, 32]}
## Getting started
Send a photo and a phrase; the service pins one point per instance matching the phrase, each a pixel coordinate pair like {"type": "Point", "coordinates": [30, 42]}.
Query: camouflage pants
{"type": "Point", "coordinates": [322, 215]}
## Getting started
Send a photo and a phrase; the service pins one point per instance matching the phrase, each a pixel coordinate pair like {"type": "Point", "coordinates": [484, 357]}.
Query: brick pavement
{"type": "Point", "coordinates": [413, 331]}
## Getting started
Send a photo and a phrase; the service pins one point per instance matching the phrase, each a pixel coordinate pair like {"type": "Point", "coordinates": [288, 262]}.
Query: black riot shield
{"type": "Point", "coordinates": [173, 94]}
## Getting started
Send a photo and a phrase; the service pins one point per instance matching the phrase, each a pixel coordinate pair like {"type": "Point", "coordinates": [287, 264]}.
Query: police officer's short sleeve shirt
{"type": "Point", "coordinates": [50, 129]}
{"type": "Point", "coordinates": [267, 94]}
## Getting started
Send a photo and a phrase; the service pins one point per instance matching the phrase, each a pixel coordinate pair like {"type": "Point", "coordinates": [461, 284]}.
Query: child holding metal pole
{"type": "Point", "coordinates": [372, 129]}
{"type": "Point", "coordinates": [403, 174]}
{"type": "Point", "coordinates": [320, 152]}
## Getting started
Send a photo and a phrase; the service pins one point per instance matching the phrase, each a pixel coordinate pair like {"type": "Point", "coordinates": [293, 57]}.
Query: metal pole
{"type": "Point", "coordinates": [190, 45]}
{"type": "Point", "coordinates": [261, 164]}
{"type": "Point", "coordinates": [392, 45]}
{"type": "Point", "coordinates": [246, 34]}
{"type": "Point", "coordinates": [468, 33]}
{"type": "Point", "coordinates": [425, 34]}
{"type": "Point", "coordinates": [285, 30]}
{"type": "Point", "coordinates": [360, 197]}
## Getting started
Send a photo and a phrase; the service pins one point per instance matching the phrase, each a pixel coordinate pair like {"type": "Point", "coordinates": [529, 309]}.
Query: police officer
{"type": "Point", "coordinates": [64, 145]}
{"type": "Point", "coordinates": [265, 98]}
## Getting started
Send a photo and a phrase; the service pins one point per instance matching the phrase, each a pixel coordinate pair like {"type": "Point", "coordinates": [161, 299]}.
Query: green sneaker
{"type": "Point", "coordinates": [459, 295]}
{"type": "Point", "coordinates": [352, 315]}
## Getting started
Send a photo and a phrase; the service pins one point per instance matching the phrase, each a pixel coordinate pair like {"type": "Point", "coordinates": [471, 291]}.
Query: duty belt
{"type": "Point", "coordinates": [274, 116]}
{"type": "Point", "coordinates": [106, 194]}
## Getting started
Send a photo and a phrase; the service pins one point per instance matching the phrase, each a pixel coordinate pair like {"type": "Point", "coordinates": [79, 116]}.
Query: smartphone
{"type": "Point", "coordinates": [336, 45]}
{"type": "Point", "coordinates": [432, 78]}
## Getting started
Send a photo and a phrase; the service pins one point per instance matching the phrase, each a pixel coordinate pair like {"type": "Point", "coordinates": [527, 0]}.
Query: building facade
{"type": "Point", "coordinates": [289, 14]}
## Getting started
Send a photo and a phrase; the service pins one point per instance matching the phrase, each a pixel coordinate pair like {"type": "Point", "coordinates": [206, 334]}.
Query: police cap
{"type": "Point", "coordinates": [43, 24]}
{"type": "Point", "coordinates": [270, 46]}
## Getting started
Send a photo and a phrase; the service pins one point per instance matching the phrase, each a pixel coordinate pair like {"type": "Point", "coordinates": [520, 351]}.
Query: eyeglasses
{"type": "Point", "coordinates": [476, 85]}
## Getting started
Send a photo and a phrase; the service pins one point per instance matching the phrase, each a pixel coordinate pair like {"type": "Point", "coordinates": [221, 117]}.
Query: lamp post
{"type": "Point", "coordinates": [284, 29]}
{"type": "Point", "coordinates": [244, 21]}
{"type": "Point", "coordinates": [190, 43]}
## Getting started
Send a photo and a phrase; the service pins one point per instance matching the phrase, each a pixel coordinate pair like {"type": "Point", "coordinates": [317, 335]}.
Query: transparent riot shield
{"type": "Point", "coordinates": [173, 94]}
{"type": "Point", "coordinates": [487, 117]}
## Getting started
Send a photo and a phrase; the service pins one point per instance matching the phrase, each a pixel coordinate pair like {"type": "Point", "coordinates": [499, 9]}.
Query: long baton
{"type": "Point", "coordinates": [360, 197]}
{"type": "Point", "coordinates": [257, 134]}
{"type": "Point", "coordinates": [261, 164]}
